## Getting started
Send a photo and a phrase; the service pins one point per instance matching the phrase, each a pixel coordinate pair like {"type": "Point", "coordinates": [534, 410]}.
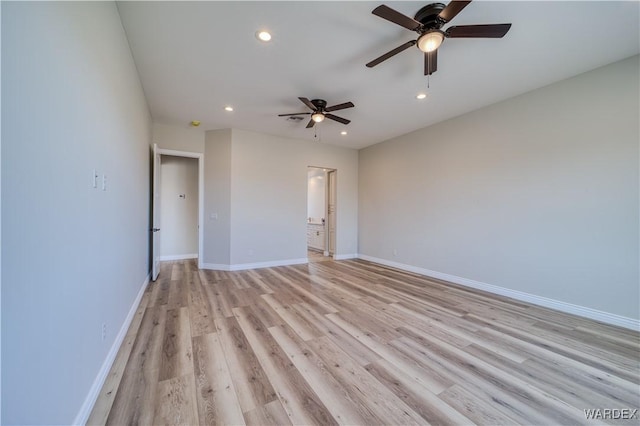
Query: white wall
{"type": "Point", "coordinates": [537, 194]}
{"type": "Point", "coordinates": [316, 190]}
{"type": "Point", "coordinates": [74, 256]}
{"type": "Point", "coordinates": [179, 215]}
{"type": "Point", "coordinates": [257, 186]}
{"type": "Point", "coordinates": [185, 138]}
{"type": "Point", "coordinates": [269, 197]}
{"type": "Point", "coordinates": [217, 199]}
{"type": "Point", "coordinates": [0, 225]}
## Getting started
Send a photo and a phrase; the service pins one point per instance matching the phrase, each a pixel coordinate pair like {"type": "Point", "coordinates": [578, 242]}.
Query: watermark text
{"type": "Point", "coordinates": [610, 413]}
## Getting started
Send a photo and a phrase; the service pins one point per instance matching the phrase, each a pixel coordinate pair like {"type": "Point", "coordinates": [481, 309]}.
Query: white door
{"type": "Point", "coordinates": [331, 213]}
{"type": "Point", "coordinates": [155, 229]}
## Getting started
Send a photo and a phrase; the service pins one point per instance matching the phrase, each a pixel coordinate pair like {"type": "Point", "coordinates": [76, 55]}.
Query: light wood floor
{"type": "Point", "coordinates": [351, 342]}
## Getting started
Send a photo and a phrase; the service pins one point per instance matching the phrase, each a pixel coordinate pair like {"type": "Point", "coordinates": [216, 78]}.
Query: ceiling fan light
{"type": "Point", "coordinates": [263, 36]}
{"type": "Point", "coordinates": [318, 117]}
{"type": "Point", "coordinates": [430, 41]}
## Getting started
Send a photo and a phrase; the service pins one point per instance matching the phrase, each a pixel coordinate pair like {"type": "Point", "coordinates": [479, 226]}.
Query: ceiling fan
{"type": "Point", "coordinates": [428, 22]}
{"type": "Point", "coordinates": [321, 111]}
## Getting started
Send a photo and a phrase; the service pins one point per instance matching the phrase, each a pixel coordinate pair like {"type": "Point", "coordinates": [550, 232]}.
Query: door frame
{"type": "Point", "coordinates": [200, 157]}
{"type": "Point", "coordinates": [328, 170]}
{"type": "Point", "coordinates": [331, 191]}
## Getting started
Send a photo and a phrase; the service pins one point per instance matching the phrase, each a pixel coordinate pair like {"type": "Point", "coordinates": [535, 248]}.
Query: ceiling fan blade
{"type": "Point", "coordinates": [430, 62]}
{"type": "Point", "coordinates": [391, 53]}
{"type": "Point", "coordinates": [308, 103]}
{"type": "Point", "coordinates": [452, 9]}
{"type": "Point", "coordinates": [338, 119]}
{"type": "Point", "coordinates": [310, 124]}
{"type": "Point", "coordinates": [296, 113]}
{"type": "Point", "coordinates": [340, 106]}
{"type": "Point", "coordinates": [478, 31]}
{"type": "Point", "coordinates": [385, 12]}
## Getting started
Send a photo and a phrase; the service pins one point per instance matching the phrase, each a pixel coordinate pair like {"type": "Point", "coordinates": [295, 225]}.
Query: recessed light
{"type": "Point", "coordinates": [421, 95]}
{"type": "Point", "coordinates": [344, 132]}
{"type": "Point", "coordinates": [195, 123]}
{"type": "Point", "coordinates": [228, 108]}
{"type": "Point", "coordinates": [263, 35]}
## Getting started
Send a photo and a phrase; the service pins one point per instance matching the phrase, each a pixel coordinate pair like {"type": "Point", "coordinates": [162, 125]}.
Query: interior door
{"type": "Point", "coordinates": [155, 230]}
{"type": "Point", "coordinates": [331, 212]}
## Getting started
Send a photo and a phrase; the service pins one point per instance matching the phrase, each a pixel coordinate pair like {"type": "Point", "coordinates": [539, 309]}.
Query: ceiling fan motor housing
{"type": "Point", "coordinates": [428, 16]}
{"type": "Point", "coordinates": [320, 104]}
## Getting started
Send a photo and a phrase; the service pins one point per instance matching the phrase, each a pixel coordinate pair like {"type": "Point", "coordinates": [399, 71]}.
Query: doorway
{"type": "Point", "coordinates": [178, 208]}
{"type": "Point", "coordinates": [321, 213]}
{"type": "Point", "coordinates": [178, 196]}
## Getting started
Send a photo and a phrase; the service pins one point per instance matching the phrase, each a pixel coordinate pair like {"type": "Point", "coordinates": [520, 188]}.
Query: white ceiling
{"type": "Point", "coordinates": [196, 57]}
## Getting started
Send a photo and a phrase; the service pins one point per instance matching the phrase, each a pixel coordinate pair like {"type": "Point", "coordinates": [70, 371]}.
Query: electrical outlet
{"type": "Point", "coordinates": [104, 182]}
{"type": "Point", "coordinates": [104, 331]}
{"type": "Point", "coordinates": [395, 252]}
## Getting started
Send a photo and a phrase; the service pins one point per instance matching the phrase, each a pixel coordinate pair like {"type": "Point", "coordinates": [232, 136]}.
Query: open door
{"type": "Point", "coordinates": [155, 230]}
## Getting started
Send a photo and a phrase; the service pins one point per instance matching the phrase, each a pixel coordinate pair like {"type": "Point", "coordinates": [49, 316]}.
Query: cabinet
{"type": "Point", "coordinates": [315, 236]}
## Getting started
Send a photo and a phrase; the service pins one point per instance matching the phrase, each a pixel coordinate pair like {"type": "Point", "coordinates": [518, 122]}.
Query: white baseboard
{"type": "Point", "coordinates": [345, 256]}
{"type": "Point", "coordinates": [257, 265]}
{"type": "Point", "coordinates": [90, 400]}
{"type": "Point", "coordinates": [558, 305]}
{"type": "Point", "coordinates": [179, 257]}
{"type": "Point", "coordinates": [214, 266]}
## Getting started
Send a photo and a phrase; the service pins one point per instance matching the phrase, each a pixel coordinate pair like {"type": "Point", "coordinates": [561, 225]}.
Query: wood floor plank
{"type": "Point", "coordinates": [176, 402]}
{"type": "Point", "coordinates": [602, 364]}
{"type": "Point", "coordinates": [216, 396]}
{"type": "Point", "coordinates": [353, 342]}
{"type": "Point", "coordinates": [271, 414]}
{"type": "Point", "coordinates": [573, 393]}
{"type": "Point", "coordinates": [258, 283]}
{"type": "Point", "coordinates": [201, 319]}
{"type": "Point", "coordinates": [384, 404]}
{"type": "Point", "coordinates": [251, 383]}
{"type": "Point", "coordinates": [461, 335]}
{"type": "Point", "coordinates": [359, 352]}
{"type": "Point", "coordinates": [177, 269]}
{"type": "Point", "coordinates": [305, 329]}
{"type": "Point", "coordinates": [177, 354]}
{"type": "Point", "coordinates": [340, 403]}
{"type": "Point", "coordinates": [178, 294]}
{"type": "Point", "coordinates": [162, 295]}
{"type": "Point", "coordinates": [474, 408]}
{"type": "Point", "coordinates": [219, 305]}
{"type": "Point", "coordinates": [428, 378]}
{"type": "Point", "coordinates": [265, 313]}
{"type": "Point", "coordinates": [511, 387]}
{"type": "Point", "coordinates": [305, 295]}
{"type": "Point", "coordinates": [552, 358]}
{"type": "Point", "coordinates": [415, 394]}
{"type": "Point", "coordinates": [134, 402]}
{"type": "Point", "coordinates": [300, 402]}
